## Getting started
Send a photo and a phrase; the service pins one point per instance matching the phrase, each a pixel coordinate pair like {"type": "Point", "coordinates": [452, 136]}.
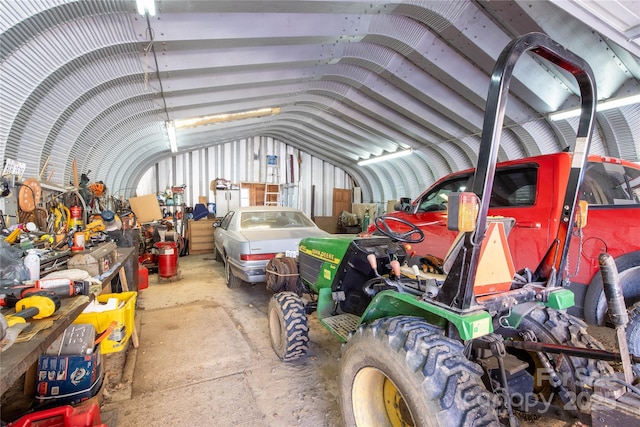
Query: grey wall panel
{"type": "Point", "coordinates": [245, 161]}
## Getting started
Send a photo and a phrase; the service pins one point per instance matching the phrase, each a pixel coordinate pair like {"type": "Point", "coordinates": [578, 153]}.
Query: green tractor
{"type": "Point", "coordinates": [464, 341]}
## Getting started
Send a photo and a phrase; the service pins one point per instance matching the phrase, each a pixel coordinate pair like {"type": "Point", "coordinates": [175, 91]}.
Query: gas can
{"type": "Point", "coordinates": [167, 259]}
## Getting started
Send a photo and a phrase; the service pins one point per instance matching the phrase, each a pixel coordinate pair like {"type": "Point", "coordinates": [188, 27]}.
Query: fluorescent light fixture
{"type": "Point", "coordinates": [146, 6]}
{"type": "Point", "coordinates": [385, 157]}
{"type": "Point", "coordinates": [601, 106]}
{"type": "Point", "coordinates": [171, 132]}
{"type": "Point", "coordinates": [221, 118]}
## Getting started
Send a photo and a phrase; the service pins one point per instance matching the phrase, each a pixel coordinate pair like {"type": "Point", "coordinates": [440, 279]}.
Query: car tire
{"type": "Point", "coordinates": [217, 255]}
{"type": "Point", "coordinates": [288, 328]}
{"type": "Point", "coordinates": [231, 280]}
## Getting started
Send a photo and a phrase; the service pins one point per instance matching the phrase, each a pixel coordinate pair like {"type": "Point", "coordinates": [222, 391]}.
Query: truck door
{"type": "Point", "coordinates": [518, 193]}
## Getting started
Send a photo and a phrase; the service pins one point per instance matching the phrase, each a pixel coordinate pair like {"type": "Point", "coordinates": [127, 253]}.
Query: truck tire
{"type": "Point", "coordinates": [231, 280]}
{"type": "Point", "coordinates": [595, 303]}
{"type": "Point", "coordinates": [633, 335]}
{"type": "Point", "coordinates": [288, 328]}
{"type": "Point", "coordinates": [551, 326]}
{"type": "Point", "coordinates": [403, 371]}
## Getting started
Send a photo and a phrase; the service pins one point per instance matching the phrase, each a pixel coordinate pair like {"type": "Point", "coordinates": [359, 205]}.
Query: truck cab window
{"type": "Point", "coordinates": [610, 184]}
{"type": "Point", "coordinates": [515, 187]}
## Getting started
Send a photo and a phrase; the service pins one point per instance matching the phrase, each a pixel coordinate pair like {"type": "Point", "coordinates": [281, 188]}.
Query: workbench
{"type": "Point", "coordinates": [17, 360]}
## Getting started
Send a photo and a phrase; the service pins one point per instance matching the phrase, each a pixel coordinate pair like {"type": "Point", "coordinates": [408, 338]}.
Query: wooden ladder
{"type": "Point", "coordinates": [272, 185]}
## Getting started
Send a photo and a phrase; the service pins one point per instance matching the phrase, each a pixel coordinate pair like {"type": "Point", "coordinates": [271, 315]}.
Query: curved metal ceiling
{"type": "Point", "coordinates": [94, 81]}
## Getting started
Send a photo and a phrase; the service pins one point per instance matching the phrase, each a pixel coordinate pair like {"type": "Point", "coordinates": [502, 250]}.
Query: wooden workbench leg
{"type": "Point", "coordinates": [125, 288]}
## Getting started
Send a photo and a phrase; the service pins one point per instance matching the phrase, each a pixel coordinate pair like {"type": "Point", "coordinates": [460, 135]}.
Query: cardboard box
{"type": "Point", "coordinates": [146, 208]}
{"type": "Point", "coordinates": [69, 379]}
{"type": "Point", "coordinates": [327, 223]}
{"type": "Point", "coordinates": [360, 208]}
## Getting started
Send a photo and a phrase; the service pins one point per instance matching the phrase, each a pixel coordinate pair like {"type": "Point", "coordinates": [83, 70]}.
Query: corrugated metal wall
{"type": "Point", "coordinates": [245, 160]}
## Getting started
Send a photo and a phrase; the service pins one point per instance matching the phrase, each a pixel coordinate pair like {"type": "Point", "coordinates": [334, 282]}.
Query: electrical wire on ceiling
{"type": "Point", "coordinates": [151, 47]}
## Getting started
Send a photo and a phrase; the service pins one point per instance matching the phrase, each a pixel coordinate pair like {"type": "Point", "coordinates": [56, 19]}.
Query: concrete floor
{"type": "Point", "coordinates": [205, 359]}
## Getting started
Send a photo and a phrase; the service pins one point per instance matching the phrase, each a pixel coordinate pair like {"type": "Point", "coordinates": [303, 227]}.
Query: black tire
{"type": "Point", "coordinates": [288, 328]}
{"type": "Point", "coordinates": [232, 281]}
{"type": "Point", "coordinates": [292, 279]}
{"type": "Point", "coordinates": [402, 371]}
{"type": "Point", "coordinates": [274, 276]}
{"type": "Point", "coordinates": [633, 335]}
{"type": "Point", "coordinates": [217, 255]}
{"type": "Point", "coordinates": [576, 373]}
{"type": "Point", "coordinates": [595, 303]}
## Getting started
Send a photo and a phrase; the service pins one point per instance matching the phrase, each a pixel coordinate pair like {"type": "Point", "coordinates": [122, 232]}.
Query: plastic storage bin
{"type": "Point", "coordinates": [124, 315]}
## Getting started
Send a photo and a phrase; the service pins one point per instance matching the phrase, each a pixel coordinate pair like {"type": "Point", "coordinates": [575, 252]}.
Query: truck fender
{"type": "Point", "coordinates": [595, 304]}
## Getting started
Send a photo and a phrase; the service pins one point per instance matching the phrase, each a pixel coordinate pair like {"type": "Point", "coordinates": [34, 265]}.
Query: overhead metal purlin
{"type": "Point", "coordinates": [370, 73]}
{"type": "Point", "coordinates": [152, 48]}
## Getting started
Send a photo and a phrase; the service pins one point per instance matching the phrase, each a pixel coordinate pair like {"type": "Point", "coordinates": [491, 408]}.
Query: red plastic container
{"type": "Point", "coordinates": [167, 259]}
{"type": "Point", "coordinates": [143, 277]}
{"type": "Point", "coordinates": [62, 416]}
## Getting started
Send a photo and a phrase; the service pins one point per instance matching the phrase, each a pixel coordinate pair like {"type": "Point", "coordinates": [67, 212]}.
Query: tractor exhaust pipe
{"type": "Point", "coordinates": [617, 310]}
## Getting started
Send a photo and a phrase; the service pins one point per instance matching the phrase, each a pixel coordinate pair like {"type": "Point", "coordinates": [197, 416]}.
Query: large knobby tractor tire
{"type": "Point", "coordinates": [231, 280]}
{"type": "Point", "coordinates": [577, 374]}
{"type": "Point", "coordinates": [633, 334]}
{"type": "Point", "coordinates": [402, 371]}
{"type": "Point", "coordinates": [288, 328]}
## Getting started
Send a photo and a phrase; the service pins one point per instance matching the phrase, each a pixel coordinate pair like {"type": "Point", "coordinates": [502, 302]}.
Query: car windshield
{"type": "Point", "coordinates": [274, 219]}
{"type": "Point", "coordinates": [437, 199]}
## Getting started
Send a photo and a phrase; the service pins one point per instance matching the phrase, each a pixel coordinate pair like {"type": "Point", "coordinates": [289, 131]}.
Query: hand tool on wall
{"type": "Point", "coordinates": [74, 167]}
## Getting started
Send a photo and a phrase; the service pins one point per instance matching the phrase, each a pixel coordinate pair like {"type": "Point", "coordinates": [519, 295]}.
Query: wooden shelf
{"type": "Point", "coordinates": [200, 235]}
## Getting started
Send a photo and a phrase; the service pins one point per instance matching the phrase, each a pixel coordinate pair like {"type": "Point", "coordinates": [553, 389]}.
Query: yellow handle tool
{"type": "Point", "coordinates": [11, 238]}
{"type": "Point", "coordinates": [36, 306]}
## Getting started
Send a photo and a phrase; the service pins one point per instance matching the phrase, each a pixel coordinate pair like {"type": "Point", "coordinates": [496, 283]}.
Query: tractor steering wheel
{"type": "Point", "coordinates": [414, 235]}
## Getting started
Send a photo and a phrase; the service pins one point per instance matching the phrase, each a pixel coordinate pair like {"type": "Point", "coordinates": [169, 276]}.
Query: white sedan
{"type": "Point", "coordinates": [248, 237]}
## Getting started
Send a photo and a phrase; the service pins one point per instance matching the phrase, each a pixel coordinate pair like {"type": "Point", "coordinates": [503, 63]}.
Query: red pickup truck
{"type": "Point", "coordinates": [531, 190]}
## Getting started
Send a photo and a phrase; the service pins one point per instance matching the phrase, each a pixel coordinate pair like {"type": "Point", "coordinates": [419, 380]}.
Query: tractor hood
{"type": "Point", "coordinates": [330, 248]}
